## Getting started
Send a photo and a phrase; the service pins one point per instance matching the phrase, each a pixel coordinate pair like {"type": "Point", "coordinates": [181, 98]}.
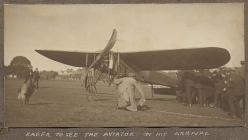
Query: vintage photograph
{"type": "Point", "coordinates": [124, 65]}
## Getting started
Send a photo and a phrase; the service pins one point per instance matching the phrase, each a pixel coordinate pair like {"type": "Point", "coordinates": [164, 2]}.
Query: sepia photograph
{"type": "Point", "coordinates": [124, 65]}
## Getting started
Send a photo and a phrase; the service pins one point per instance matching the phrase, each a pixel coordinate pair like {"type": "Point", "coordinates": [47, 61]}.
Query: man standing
{"type": "Point", "coordinates": [204, 86]}
{"type": "Point", "coordinates": [189, 86]}
{"type": "Point", "coordinates": [36, 78]}
{"type": "Point", "coordinates": [126, 93]}
{"type": "Point", "coordinates": [29, 74]}
{"type": "Point", "coordinates": [236, 92]}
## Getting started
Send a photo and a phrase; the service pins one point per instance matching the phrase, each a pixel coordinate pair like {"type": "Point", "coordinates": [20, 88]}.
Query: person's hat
{"type": "Point", "coordinates": [242, 62]}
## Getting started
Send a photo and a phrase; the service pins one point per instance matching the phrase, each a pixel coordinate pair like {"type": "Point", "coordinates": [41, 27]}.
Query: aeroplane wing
{"type": "Point", "coordinates": [178, 59]}
{"type": "Point", "coordinates": [77, 59]}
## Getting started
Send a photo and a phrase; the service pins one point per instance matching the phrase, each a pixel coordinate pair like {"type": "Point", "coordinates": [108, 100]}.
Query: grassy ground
{"type": "Point", "coordinates": [64, 104]}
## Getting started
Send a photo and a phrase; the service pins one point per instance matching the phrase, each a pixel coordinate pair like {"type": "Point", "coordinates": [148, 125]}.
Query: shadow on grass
{"type": "Point", "coordinates": [44, 87]}
{"type": "Point", "coordinates": [144, 108]}
{"type": "Point", "coordinates": [105, 93]}
{"type": "Point", "coordinates": [162, 99]}
{"type": "Point", "coordinates": [34, 104]}
{"type": "Point", "coordinates": [103, 99]}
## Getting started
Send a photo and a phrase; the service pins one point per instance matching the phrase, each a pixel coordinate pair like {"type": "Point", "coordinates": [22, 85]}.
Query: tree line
{"type": "Point", "coordinates": [20, 67]}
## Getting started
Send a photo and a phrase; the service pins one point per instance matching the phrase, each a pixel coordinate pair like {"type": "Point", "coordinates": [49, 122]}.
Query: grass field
{"type": "Point", "coordinates": [64, 104]}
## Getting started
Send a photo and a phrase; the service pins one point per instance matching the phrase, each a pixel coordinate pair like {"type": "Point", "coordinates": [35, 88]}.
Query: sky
{"type": "Point", "coordinates": [140, 27]}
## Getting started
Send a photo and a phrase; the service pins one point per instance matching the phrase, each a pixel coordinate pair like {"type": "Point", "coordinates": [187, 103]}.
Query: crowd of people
{"type": "Point", "coordinates": [220, 88]}
{"type": "Point", "coordinates": [223, 88]}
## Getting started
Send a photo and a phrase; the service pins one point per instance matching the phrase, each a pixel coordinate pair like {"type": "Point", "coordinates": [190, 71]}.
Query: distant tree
{"type": "Point", "coordinates": [20, 61]}
{"type": "Point", "coordinates": [19, 66]}
{"type": "Point", "coordinates": [6, 70]}
{"type": "Point", "coordinates": [48, 75]}
{"type": "Point", "coordinates": [54, 74]}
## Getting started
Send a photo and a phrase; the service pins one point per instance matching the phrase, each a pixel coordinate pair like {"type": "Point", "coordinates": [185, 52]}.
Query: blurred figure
{"type": "Point", "coordinates": [180, 96]}
{"type": "Point", "coordinates": [126, 90]}
{"type": "Point", "coordinates": [36, 77]}
{"type": "Point", "coordinates": [26, 90]}
{"type": "Point", "coordinates": [188, 86]}
{"type": "Point", "coordinates": [29, 74]}
{"type": "Point", "coordinates": [220, 88]}
{"type": "Point", "coordinates": [236, 92]}
{"type": "Point", "coordinates": [221, 80]}
{"type": "Point", "coordinates": [204, 86]}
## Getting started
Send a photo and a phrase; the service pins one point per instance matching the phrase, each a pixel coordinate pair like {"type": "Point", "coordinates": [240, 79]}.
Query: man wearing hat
{"type": "Point", "coordinates": [236, 92]}
{"type": "Point", "coordinates": [36, 77]}
{"type": "Point", "coordinates": [126, 92]}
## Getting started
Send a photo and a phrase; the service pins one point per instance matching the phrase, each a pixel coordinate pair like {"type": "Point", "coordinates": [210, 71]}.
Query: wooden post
{"type": "Point", "coordinates": [86, 60]}
{"type": "Point", "coordinates": [152, 91]}
{"type": "Point", "coordinates": [118, 63]}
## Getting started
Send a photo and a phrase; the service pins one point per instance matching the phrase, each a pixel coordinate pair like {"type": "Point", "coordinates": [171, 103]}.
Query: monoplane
{"type": "Point", "coordinates": [146, 64]}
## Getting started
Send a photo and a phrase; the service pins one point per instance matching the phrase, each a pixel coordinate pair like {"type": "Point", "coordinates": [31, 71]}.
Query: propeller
{"type": "Point", "coordinates": [104, 52]}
